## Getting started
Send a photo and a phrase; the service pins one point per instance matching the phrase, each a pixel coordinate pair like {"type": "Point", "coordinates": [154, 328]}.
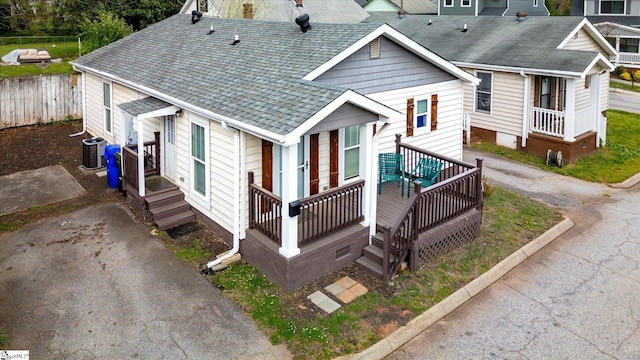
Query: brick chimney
{"type": "Point", "coordinates": [298, 3]}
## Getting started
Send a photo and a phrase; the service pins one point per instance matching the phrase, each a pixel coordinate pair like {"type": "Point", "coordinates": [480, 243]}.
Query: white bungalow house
{"type": "Point", "coordinates": [271, 135]}
{"type": "Point", "coordinates": [545, 80]}
{"type": "Point", "coordinates": [325, 11]}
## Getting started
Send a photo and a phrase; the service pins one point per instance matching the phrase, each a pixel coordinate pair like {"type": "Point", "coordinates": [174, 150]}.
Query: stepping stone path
{"type": "Point", "coordinates": [345, 290]}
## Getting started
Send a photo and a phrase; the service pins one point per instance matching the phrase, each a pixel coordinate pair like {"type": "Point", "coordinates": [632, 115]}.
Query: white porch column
{"type": "Point", "coordinates": [368, 158]}
{"type": "Point", "coordinates": [289, 193]}
{"type": "Point", "coordinates": [570, 110]}
{"type": "Point", "coordinates": [141, 184]}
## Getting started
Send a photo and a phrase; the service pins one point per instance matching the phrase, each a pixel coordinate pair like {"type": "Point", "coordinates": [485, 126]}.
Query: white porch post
{"type": "Point", "coordinates": [569, 111]}
{"type": "Point", "coordinates": [368, 158]}
{"type": "Point", "coordinates": [289, 193]}
{"type": "Point", "coordinates": [141, 185]}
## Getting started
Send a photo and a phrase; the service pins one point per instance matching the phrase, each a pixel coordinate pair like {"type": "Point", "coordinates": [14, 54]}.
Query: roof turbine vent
{"type": "Point", "coordinates": [195, 16]}
{"type": "Point", "coordinates": [303, 22]}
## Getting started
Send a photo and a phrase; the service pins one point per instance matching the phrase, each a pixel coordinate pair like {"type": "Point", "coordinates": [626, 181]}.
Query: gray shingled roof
{"type": "Point", "coordinates": [626, 20]}
{"type": "Point", "coordinates": [143, 106]}
{"type": "Point", "coordinates": [258, 81]}
{"type": "Point", "coordinates": [497, 41]}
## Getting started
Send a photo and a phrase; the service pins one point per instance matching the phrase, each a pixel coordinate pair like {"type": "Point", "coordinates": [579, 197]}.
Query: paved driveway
{"type": "Point", "coordinates": [575, 299]}
{"type": "Point", "coordinates": [94, 284]}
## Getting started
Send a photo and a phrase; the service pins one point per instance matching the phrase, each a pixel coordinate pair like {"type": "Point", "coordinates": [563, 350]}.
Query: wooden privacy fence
{"type": "Point", "coordinates": [39, 99]}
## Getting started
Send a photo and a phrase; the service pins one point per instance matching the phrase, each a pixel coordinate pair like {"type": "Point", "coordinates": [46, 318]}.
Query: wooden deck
{"type": "Point", "coordinates": [391, 203]}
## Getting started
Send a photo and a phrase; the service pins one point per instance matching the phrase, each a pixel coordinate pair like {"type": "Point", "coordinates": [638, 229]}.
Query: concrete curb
{"type": "Point", "coordinates": [627, 183]}
{"type": "Point", "coordinates": [623, 91]}
{"type": "Point", "coordinates": [395, 340]}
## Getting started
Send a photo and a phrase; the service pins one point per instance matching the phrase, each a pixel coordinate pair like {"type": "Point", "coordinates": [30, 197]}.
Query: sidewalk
{"type": "Point", "coordinates": [553, 189]}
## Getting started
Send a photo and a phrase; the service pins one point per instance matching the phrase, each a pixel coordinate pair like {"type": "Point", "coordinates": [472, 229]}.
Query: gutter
{"type": "Point", "coordinates": [236, 202]}
{"type": "Point", "coordinates": [84, 106]}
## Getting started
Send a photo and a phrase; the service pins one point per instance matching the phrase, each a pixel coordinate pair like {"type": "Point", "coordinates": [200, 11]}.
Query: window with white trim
{"type": "Point", "coordinates": [466, 3]}
{"type": "Point", "coordinates": [106, 106]}
{"type": "Point", "coordinates": [448, 3]}
{"type": "Point", "coordinates": [535, 3]}
{"type": "Point", "coordinates": [612, 7]}
{"type": "Point", "coordinates": [483, 91]}
{"type": "Point", "coordinates": [422, 115]}
{"type": "Point", "coordinates": [351, 146]}
{"type": "Point", "coordinates": [629, 45]}
{"type": "Point", "coordinates": [199, 159]}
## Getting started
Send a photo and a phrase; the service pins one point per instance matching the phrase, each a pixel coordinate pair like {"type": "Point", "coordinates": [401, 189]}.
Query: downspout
{"type": "Point", "coordinates": [84, 106]}
{"type": "Point", "coordinates": [525, 110]}
{"type": "Point", "coordinates": [236, 203]}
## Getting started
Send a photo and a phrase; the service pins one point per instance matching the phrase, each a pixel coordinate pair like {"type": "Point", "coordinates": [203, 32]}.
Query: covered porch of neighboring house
{"type": "Point", "coordinates": [154, 195]}
{"type": "Point", "coordinates": [414, 227]}
{"type": "Point", "coordinates": [566, 116]}
{"type": "Point", "coordinates": [626, 40]}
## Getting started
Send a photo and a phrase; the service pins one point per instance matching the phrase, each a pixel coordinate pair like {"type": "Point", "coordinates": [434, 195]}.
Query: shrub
{"type": "Point", "coordinates": [625, 76]}
{"type": "Point", "coordinates": [619, 70]}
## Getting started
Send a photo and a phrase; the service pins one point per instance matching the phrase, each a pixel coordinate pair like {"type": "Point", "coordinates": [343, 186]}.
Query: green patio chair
{"type": "Point", "coordinates": [426, 171]}
{"type": "Point", "coordinates": [390, 169]}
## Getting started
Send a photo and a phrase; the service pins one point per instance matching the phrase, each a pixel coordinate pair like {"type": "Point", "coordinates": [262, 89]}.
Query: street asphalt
{"type": "Point", "coordinates": [94, 284]}
{"type": "Point", "coordinates": [575, 298]}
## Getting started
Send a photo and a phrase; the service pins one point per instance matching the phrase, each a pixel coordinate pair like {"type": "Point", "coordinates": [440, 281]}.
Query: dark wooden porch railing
{"type": "Point", "coordinates": [460, 192]}
{"type": "Point", "coordinates": [265, 211]}
{"type": "Point", "coordinates": [151, 162]}
{"type": "Point", "coordinates": [330, 211]}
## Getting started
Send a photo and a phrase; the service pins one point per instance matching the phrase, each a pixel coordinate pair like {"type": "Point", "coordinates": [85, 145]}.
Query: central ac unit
{"type": "Point", "coordinates": [93, 153]}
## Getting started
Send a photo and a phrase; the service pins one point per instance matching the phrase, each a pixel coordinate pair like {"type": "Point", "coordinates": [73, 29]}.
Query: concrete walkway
{"type": "Point", "coordinates": [94, 284]}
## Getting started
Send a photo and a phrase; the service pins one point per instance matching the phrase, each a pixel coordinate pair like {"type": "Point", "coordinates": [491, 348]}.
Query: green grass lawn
{"type": "Point", "coordinates": [509, 222]}
{"type": "Point", "coordinates": [63, 50]}
{"type": "Point", "coordinates": [614, 163]}
{"type": "Point", "coordinates": [617, 85]}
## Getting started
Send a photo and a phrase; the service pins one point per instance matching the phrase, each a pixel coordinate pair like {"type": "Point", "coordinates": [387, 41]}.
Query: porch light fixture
{"type": "Point", "coordinates": [179, 113]}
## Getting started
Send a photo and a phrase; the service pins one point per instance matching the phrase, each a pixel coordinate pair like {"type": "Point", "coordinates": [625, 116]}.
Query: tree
{"type": "Point", "coordinates": [102, 31]}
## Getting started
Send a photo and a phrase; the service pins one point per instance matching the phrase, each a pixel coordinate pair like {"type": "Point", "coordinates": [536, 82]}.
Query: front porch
{"type": "Point", "coordinates": [161, 202]}
{"type": "Point", "coordinates": [331, 233]}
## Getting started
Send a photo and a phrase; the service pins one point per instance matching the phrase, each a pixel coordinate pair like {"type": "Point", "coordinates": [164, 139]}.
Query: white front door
{"type": "Point", "coordinates": [169, 147]}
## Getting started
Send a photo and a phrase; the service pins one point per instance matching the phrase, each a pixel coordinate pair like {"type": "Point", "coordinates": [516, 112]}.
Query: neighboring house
{"type": "Point", "coordinates": [415, 7]}
{"type": "Point", "coordinates": [271, 136]}
{"type": "Point", "coordinates": [619, 23]}
{"type": "Point", "coordinates": [492, 7]}
{"type": "Point", "coordinates": [321, 11]}
{"type": "Point", "coordinates": [545, 80]}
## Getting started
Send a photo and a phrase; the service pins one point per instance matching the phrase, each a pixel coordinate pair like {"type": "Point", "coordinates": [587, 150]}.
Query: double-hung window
{"type": "Point", "coordinates": [629, 45]}
{"type": "Point", "coordinates": [351, 152]}
{"type": "Point", "coordinates": [106, 102]}
{"type": "Point", "coordinates": [422, 115]}
{"type": "Point", "coordinates": [483, 91]}
{"type": "Point", "coordinates": [466, 3]}
{"type": "Point", "coordinates": [448, 3]}
{"type": "Point", "coordinates": [199, 159]}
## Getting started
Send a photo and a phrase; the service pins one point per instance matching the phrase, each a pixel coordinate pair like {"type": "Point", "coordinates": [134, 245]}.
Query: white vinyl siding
{"type": "Point", "coordinates": [583, 41]}
{"type": "Point", "coordinates": [222, 175]}
{"type": "Point", "coordinates": [583, 96]}
{"type": "Point", "coordinates": [507, 98]}
{"type": "Point", "coordinates": [447, 140]}
{"type": "Point", "coordinates": [94, 116]}
{"type": "Point", "coordinates": [604, 90]}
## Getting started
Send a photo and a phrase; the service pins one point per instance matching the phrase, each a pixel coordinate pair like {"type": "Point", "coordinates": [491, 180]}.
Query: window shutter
{"type": "Point", "coordinates": [434, 112]}
{"type": "Point", "coordinates": [410, 117]}
{"type": "Point", "coordinates": [267, 165]}
{"type": "Point", "coordinates": [587, 81]}
{"type": "Point", "coordinates": [314, 178]}
{"type": "Point", "coordinates": [333, 158]}
{"type": "Point", "coordinates": [536, 95]}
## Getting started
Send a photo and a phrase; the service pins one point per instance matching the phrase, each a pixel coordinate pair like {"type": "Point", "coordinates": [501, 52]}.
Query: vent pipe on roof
{"type": "Point", "coordinates": [464, 28]}
{"type": "Point", "coordinates": [429, 22]}
{"type": "Point", "coordinates": [195, 16]}
{"type": "Point", "coordinates": [303, 22]}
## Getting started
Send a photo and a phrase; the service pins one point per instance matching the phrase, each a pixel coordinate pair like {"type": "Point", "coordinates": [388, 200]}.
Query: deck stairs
{"type": "Point", "coordinates": [372, 257]}
{"type": "Point", "coordinates": [169, 209]}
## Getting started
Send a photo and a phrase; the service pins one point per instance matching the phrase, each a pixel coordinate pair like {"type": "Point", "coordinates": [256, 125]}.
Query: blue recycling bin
{"type": "Point", "coordinates": [112, 165]}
